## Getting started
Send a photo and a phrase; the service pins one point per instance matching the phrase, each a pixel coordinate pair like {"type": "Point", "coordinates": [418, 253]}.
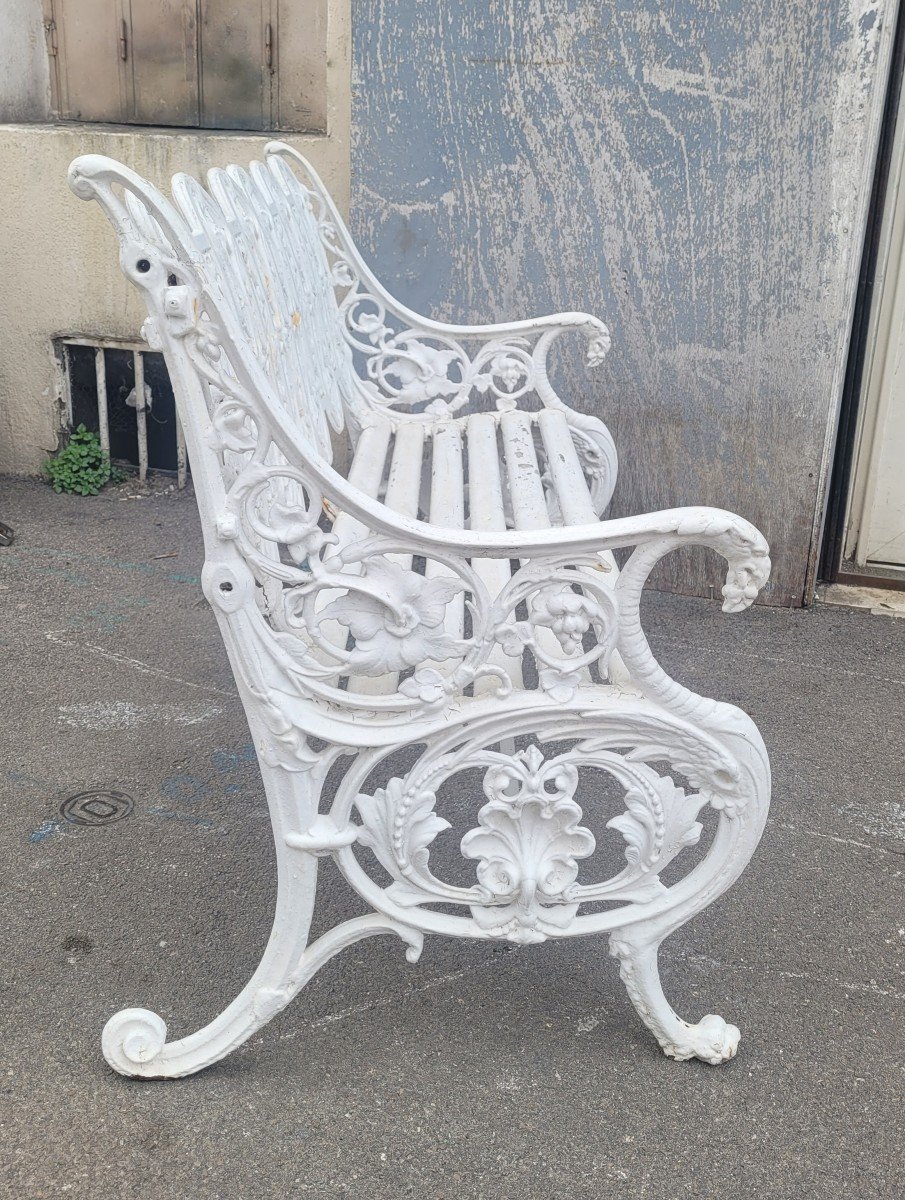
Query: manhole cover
{"type": "Point", "coordinates": [96, 808]}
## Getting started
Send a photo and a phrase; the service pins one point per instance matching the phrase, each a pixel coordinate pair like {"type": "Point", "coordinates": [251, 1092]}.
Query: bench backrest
{"type": "Point", "coordinates": [266, 270]}
{"type": "Point", "coordinates": [257, 234]}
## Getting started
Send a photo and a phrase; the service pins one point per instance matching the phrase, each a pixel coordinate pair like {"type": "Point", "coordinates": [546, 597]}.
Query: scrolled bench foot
{"type": "Point", "coordinates": [132, 1039]}
{"type": "Point", "coordinates": [712, 1040]}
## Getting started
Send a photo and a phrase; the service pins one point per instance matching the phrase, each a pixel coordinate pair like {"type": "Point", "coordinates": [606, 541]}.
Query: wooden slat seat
{"type": "Point", "coordinates": [486, 472]}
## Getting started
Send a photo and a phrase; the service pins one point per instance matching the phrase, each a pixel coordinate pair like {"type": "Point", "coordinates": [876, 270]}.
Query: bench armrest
{"type": "Point", "coordinates": [554, 554]}
{"type": "Point", "coordinates": [652, 535]}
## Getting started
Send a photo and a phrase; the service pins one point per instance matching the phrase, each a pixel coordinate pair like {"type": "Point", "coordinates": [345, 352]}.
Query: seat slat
{"type": "Point", "coordinates": [487, 514]}
{"type": "Point", "coordinates": [404, 483]}
{"type": "Point", "coordinates": [366, 473]}
{"type": "Point", "coordinates": [402, 496]}
{"type": "Point", "coordinates": [526, 492]}
{"type": "Point", "coordinates": [447, 509]}
{"type": "Point", "coordinates": [568, 478]}
{"type": "Point", "coordinates": [565, 469]}
{"type": "Point", "coordinates": [485, 488]}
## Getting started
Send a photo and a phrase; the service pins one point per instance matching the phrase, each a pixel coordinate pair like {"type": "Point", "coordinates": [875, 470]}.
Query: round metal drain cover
{"type": "Point", "coordinates": [96, 808]}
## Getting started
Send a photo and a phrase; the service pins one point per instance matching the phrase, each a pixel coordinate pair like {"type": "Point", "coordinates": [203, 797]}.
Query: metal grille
{"type": "Point", "coordinates": [123, 394]}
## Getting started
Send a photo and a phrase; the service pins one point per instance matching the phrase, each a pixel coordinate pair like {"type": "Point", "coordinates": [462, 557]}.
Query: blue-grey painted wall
{"type": "Point", "coordinates": [696, 173]}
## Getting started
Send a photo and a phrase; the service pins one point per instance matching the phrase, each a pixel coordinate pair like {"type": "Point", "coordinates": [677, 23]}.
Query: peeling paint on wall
{"type": "Point", "coordinates": [61, 273]}
{"type": "Point", "coordinates": [694, 173]}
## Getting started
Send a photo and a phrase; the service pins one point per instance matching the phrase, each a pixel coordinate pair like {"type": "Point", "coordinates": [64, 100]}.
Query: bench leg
{"type": "Point", "coordinates": [637, 946]}
{"type": "Point", "coordinates": [134, 1040]}
{"type": "Point", "coordinates": [712, 1039]}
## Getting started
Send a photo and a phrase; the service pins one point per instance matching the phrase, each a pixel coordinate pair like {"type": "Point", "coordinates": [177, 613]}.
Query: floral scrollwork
{"type": "Point", "coordinates": [569, 614]}
{"type": "Point", "coordinates": [413, 368]}
{"type": "Point", "coordinates": [529, 838]}
{"type": "Point", "coordinates": [398, 622]}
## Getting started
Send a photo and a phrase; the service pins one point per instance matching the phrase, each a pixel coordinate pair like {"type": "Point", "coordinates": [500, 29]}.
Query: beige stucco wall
{"type": "Point", "coordinates": [59, 269]}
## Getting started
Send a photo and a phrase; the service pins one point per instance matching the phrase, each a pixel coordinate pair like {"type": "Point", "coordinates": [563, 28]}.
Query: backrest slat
{"type": "Point", "coordinates": [259, 247]}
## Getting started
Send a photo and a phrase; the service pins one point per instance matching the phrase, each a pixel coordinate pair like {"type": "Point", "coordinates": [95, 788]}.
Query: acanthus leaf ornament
{"type": "Point", "coordinates": [398, 824]}
{"type": "Point", "coordinates": [668, 824]}
{"type": "Point", "coordinates": [527, 845]}
{"type": "Point", "coordinates": [529, 838]}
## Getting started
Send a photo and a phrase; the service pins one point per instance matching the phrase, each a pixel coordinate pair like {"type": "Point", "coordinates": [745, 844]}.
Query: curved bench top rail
{"type": "Point", "coordinates": [245, 248]}
{"type": "Point", "coordinates": [273, 253]}
{"type": "Point", "coordinates": [413, 364]}
{"type": "Point", "coordinates": [346, 248]}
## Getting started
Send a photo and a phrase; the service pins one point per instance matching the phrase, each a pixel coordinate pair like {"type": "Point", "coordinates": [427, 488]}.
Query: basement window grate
{"type": "Point", "coordinates": [102, 381]}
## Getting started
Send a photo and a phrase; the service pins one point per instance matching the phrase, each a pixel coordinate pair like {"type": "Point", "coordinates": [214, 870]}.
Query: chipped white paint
{"type": "Point", "coordinates": [121, 714]}
{"type": "Point", "coordinates": [408, 602]}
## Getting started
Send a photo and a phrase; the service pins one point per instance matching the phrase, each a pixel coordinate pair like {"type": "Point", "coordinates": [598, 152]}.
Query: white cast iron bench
{"type": "Point", "coordinates": [455, 592]}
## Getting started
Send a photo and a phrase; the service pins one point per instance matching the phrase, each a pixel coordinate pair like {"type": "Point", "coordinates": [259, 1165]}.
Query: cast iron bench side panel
{"type": "Point", "coordinates": [444, 581]}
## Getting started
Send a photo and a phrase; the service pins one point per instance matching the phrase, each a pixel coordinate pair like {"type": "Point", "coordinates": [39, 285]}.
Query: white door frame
{"type": "Point", "coordinates": [885, 345]}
